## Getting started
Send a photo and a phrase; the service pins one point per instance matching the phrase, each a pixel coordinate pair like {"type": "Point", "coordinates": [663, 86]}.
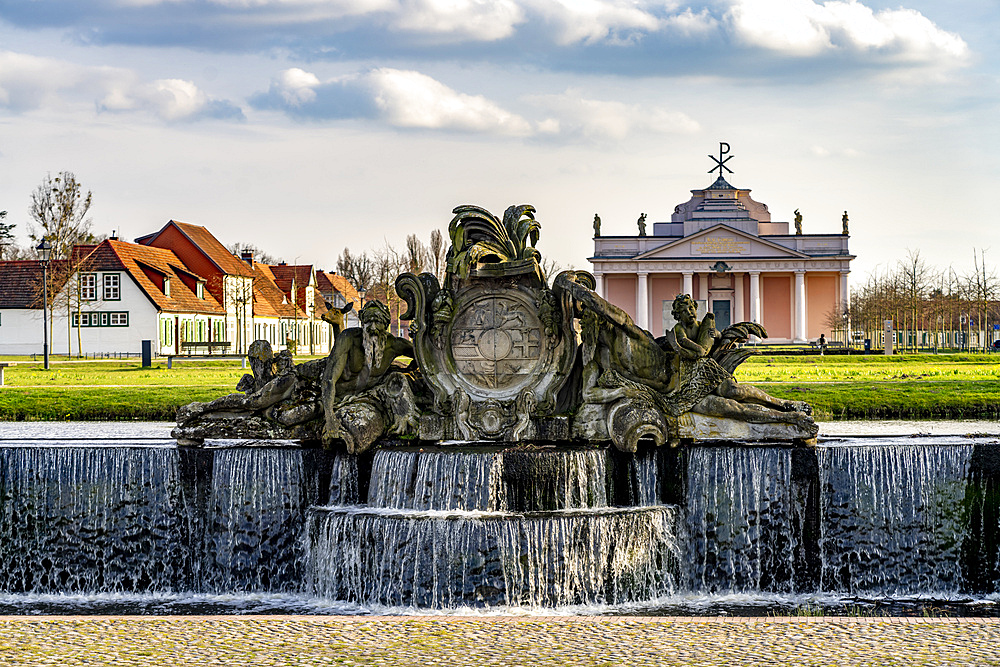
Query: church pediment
{"type": "Point", "coordinates": [721, 241]}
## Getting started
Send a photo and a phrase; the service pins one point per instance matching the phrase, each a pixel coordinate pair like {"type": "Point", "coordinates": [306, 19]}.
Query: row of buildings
{"type": "Point", "coordinates": [182, 289]}
{"type": "Point", "coordinates": [179, 288]}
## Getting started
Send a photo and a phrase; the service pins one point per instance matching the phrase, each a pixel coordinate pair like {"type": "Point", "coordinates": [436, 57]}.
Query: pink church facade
{"type": "Point", "coordinates": [722, 248]}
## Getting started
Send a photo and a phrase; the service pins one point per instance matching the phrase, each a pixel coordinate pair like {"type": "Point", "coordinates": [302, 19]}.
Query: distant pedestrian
{"type": "Point", "coordinates": [822, 344]}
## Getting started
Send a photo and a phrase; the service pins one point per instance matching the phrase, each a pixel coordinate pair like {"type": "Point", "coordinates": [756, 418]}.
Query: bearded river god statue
{"type": "Point", "coordinates": [495, 357]}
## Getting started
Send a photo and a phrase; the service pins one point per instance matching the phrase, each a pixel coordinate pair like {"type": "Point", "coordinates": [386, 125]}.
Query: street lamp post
{"type": "Point", "coordinates": [45, 250]}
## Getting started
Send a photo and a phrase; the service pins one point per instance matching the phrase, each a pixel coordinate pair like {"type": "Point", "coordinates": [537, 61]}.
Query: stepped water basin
{"type": "Point", "coordinates": [132, 523]}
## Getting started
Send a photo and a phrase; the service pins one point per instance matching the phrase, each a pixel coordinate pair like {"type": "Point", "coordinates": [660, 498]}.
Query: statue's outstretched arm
{"type": "Point", "coordinates": [601, 307]}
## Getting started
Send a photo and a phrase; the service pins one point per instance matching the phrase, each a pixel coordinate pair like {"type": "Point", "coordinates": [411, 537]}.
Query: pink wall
{"type": "Point", "coordinates": [776, 305]}
{"type": "Point", "coordinates": [821, 299]}
{"type": "Point", "coordinates": [621, 292]}
{"type": "Point", "coordinates": [663, 287]}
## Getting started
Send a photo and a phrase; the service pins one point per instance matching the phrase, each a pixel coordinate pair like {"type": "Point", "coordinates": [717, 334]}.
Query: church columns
{"type": "Point", "coordinates": [845, 291]}
{"type": "Point", "coordinates": [601, 289]}
{"type": "Point", "coordinates": [688, 287]}
{"type": "Point", "coordinates": [755, 296]}
{"type": "Point", "coordinates": [642, 301]}
{"type": "Point", "coordinates": [799, 299]}
{"type": "Point", "coordinates": [703, 287]}
{"type": "Point", "coordinates": [738, 297]}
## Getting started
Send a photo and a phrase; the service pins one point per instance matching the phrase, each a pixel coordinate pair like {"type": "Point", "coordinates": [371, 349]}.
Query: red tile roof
{"type": "Point", "coordinates": [268, 299]}
{"type": "Point", "coordinates": [209, 245]}
{"type": "Point", "coordinates": [20, 284]}
{"type": "Point", "coordinates": [337, 283]}
{"type": "Point", "coordinates": [284, 274]}
{"type": "Point", "coordinates": [131, 258]}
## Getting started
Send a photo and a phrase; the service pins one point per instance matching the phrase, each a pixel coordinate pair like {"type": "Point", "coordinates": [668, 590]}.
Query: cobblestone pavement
{"type": "Point", "coordinates": [425, 641]}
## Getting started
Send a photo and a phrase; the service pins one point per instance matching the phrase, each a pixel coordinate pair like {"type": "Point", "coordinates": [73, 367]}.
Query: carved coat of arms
{"type": "Point", "coordinates": [494, 342]}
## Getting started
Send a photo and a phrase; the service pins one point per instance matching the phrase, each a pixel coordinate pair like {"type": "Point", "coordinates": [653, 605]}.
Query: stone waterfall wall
{"type": "Point", "coordinates": [544, 527]}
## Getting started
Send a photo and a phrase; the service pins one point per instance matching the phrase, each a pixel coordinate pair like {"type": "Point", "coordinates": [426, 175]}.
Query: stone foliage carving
{"type": "Point", "coordinates": [496, 357]}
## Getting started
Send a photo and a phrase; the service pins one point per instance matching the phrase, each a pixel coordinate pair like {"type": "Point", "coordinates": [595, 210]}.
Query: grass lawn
{"type": "Point", "coordinates": [876, 386]}
{"type": "Point", "coordinates": [859, 386]}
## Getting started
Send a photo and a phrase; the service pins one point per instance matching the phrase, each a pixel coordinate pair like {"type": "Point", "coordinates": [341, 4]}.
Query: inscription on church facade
{"type": "Point", "coordinates": [720, 245]}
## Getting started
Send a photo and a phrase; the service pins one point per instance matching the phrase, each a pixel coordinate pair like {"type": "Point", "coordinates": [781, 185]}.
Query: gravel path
{"type": "Point", "coordinates": [536, 642]}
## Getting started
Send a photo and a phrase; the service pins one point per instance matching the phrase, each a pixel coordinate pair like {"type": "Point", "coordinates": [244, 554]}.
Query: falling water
{"type": "Point", "coordinates": [433, 480]}
{"type": "Point", "coordinates": [489, 481]}
{"type": "Point", "coordinates": [893, 519]}
{"type": "Point", "coordinates": [644, 471]}
{"type": "Point", "coordinates": [344, 480]}
{"type": "Point", "coordinates": [87, 519]}
{"type": "Point", "coordinates": [256, 511]}
{"type": "Point", "coordinates": [444, 559]}
{"type": "Point", "coordinates": [740, 511]}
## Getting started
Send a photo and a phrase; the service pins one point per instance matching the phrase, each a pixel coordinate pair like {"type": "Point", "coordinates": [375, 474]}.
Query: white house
{"type": "Point", "coordinates": [110, 300]}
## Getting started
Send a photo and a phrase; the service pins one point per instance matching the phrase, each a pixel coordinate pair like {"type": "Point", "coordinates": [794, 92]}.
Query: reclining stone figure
{"type": "Point", "coordinates": [635, 386]}
{"type": "Point", "coordinates": [277, 390]}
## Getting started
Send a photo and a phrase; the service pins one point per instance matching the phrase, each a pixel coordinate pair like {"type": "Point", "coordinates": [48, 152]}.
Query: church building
{"type": "Point", "coordinates": [722, 248]}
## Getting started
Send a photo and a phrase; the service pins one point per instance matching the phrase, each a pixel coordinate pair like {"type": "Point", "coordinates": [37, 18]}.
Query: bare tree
{"type": "Point", "coordinates": [358, 269]}
{"type": "Point", "coordinates": [59, 208]}
{"type": "Point", "coordinates": [418, 256]}
{"type": "Point", "coordinates": [6, 234]}
{"type": "Point", "coordinates": [915, 280]}
{"type": "Point", "coordinates": [981, 288]}
{"type": "Point", "coordinates": [439, 254]}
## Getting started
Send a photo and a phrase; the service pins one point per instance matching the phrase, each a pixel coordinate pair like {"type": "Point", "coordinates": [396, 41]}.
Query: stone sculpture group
{"type": "Point", "coordinates": [495, 356]}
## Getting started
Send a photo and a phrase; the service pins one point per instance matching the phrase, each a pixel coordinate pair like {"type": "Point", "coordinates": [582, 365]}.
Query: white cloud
{"type": "Point", "coordinates": [412, 99]}
{"type": "Point", "coordinates": [463, 20]}
{"type": "Point", "coordinates": [807, 28]}
{"type": "Point", "coordinates": [401, 98]}
{"type": "Point", "coordinates": [29, 83]}
{"type": "Point", "coordinates": [691, 24]}
{"type": "Point", "coordinates": [602, 119]}
{"type": "Point", "coordinates": [171, 100]}
{"type": "Point", "coordinates": [592, 21]}
{"type": "Point", "coordinates": [296, 86]}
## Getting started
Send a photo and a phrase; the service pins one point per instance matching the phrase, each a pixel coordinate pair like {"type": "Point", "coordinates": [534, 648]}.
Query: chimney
{"type": "Point", "coordinates": [247, 256]}
{"type": "Point", "coordinates": [114, 235]}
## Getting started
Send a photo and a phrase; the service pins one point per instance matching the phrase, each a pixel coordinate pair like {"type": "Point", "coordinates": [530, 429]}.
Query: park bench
{"type": "Point", "coordinates": [203, 357]}
{"type": "Point", "coordinates": [3, 365]}
{"type": "Point", "coordinates": [209, 346]}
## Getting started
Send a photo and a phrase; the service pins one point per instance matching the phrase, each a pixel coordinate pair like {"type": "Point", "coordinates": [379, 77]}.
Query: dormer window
{"type": "Point", "coordinates": [166, 286]}
{"type": "Point", "coordinates": [200, 290]}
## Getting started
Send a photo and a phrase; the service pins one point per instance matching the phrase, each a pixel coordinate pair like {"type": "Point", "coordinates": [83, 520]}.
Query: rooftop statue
{"type": "Point", "coordinates": [495, 357]}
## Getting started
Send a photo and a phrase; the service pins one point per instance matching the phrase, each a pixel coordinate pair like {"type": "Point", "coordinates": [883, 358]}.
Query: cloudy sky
{"type": "Point", "coordinates": [304, 126]}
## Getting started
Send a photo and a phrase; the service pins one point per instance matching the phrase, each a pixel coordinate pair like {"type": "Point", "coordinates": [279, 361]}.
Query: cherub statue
{"type": "Point", "coordinates": [701, 381]}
